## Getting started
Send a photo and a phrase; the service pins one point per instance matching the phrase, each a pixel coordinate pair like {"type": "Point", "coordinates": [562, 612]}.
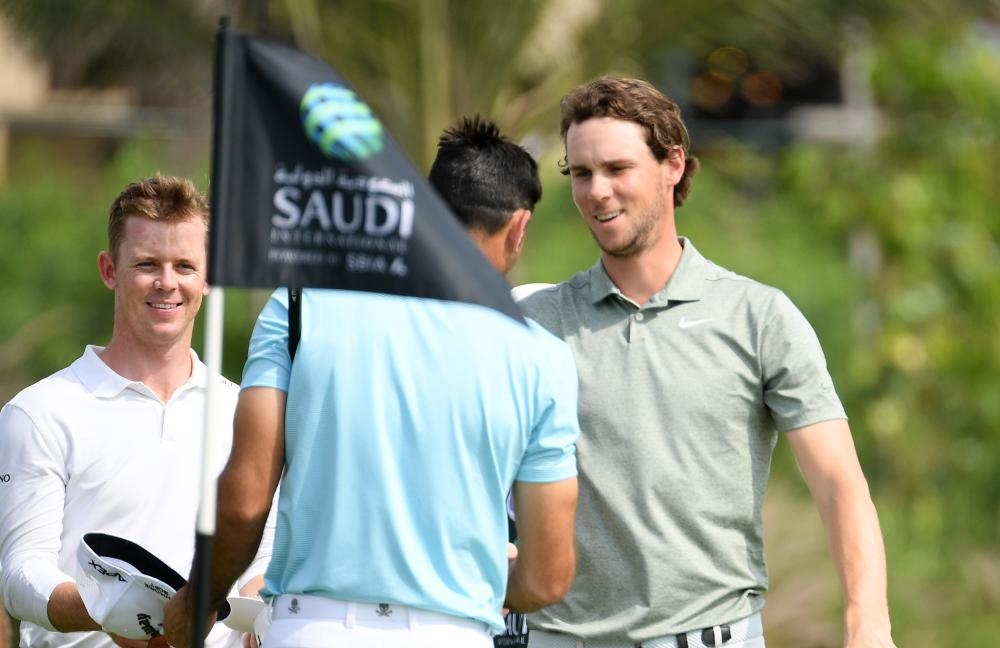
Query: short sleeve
{"type": "Point", "coordinates": [551, 454]}
{"type": "Point", "coordinates": [798, 389]}
{"type": "Point", "coordinates": [268, 361]}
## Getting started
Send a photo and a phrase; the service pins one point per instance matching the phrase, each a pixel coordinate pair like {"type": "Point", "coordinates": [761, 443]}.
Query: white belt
{"type": "Point", "coordinates": [720, 635]}
{"type": "Point", "coordinates": [302, 606]}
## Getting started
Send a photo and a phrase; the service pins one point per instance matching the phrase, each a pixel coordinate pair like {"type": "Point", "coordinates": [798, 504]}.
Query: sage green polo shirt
{"type": "Point", "coordinates": [681, 403]}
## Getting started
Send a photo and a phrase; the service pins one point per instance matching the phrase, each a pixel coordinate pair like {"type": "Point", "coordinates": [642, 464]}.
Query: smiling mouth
{"type": "Point", "coordinates": [604, 218]}
{"type": "Point", "coordinates": [162, 306]}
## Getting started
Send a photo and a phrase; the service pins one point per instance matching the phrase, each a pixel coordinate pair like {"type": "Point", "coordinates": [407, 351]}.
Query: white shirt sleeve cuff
{"type": "Point", "coordinates": [27, 590]}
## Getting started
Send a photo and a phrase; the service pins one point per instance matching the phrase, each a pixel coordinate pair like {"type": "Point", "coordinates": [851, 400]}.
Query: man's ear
{"type": "Point", "coordinates": [673, 165]}
{"type": "Point", "coordinates": [106, 266]}
{"type": "Point", "coordinates": [516, 231]}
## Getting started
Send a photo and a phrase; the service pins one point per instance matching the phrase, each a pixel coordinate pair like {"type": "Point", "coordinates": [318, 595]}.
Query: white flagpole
{"type": "Point", "coordinates": [205, 528]}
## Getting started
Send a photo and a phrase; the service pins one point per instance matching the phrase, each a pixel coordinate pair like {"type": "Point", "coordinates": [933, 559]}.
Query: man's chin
{"type": "Point", "coordinates": [619, 251]}
{"type": "Point", "coordinates": [164, 336]}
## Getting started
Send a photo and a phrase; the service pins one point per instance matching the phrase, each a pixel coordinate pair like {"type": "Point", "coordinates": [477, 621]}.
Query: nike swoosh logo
{"type": "Point", "coordinates": [686, 323]}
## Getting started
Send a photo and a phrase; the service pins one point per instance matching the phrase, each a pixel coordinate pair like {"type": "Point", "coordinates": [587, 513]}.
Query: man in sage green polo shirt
{"type": "Point", "coordinates": [689, 374]}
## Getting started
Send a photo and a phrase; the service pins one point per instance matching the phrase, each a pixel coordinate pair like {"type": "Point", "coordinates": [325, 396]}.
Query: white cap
{"type": "Point", "coordinates": [249, 615]}
{"type": "Point", "coordinates": [124, 587]}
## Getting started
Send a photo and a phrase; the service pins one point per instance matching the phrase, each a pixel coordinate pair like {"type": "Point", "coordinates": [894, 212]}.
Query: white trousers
{"type": "Point", "coordinates": [544, 640]}
{"type": "Point", "coordinates": [744, 633]}
{"type": "Point", "coordinates": [316, 622]}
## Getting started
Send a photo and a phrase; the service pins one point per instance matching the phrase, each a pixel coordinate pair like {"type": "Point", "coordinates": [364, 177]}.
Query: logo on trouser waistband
{"type": "Point", "coordinates": [515, 633]}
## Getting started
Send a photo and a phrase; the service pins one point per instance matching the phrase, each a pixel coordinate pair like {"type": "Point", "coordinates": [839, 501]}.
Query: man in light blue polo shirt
{"type": "Point", "coordinates": [490, 183]}
{"type": "Point", "coordinates": [400, 428]}
{"type": "Point", "coordinates": [688, 375]}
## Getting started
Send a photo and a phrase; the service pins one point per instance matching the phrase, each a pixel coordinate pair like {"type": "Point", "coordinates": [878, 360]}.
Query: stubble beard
{"type": "Point", "coordinates": [644, 235]}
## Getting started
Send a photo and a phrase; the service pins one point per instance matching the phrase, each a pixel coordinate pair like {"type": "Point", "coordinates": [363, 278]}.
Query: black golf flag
{"type": "Point", "coordinates": [310, 190]}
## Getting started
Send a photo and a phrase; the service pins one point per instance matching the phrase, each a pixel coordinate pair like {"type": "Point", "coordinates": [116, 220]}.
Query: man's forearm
{"type": "Point", "coordinates": [859, 557]}
{"type": "Point", "coordinates": [543, 570]}
{"type": "Point", "coordinates": [233, 549]}
{"type": "Point", "coordinates": [528, 593]}
{"type": "Point", "coordinates": [31, 592]}
{"type": "Point", "coordinates": [247, 485]}
{"type": "Point", "coordinates": [66, 610]}
{"type": "Point", "coordinates": [829, 463]}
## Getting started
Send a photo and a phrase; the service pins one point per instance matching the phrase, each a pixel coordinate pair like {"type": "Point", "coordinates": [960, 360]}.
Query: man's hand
{"type": "Point", "coordinates": [869, 640]}
{"type": "Point", "coordinates": [177, 619]}
{"type": "Point", "coordinates": [158, 641]}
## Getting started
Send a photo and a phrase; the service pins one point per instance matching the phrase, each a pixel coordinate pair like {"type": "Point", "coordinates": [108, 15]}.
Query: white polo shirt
{"type": "Point", "coordinates": [88, 450]}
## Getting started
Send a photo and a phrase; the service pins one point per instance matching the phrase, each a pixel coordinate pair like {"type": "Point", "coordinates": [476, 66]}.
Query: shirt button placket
{"type": "Point", "coordinates": [635, 327]}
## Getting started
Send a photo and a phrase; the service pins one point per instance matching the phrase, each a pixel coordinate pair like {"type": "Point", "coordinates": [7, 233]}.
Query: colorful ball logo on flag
{"type": "Point", "coordinates": [340, 124]}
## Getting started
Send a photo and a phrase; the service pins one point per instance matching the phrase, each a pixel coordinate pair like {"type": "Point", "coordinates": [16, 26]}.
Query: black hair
{"type": "Point", "coordinates": [483, 176]}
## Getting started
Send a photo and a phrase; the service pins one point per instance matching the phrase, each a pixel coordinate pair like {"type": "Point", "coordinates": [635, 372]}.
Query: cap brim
{"type": "Point", "coordinates": [115, 548]}
{"type": "Point", "coordinates": [243, 612]}
{"type": "Point", "coordinates": [142, 561]}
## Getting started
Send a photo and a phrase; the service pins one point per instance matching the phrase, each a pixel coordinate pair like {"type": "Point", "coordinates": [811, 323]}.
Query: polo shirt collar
{"type": "Point", "coordinates": [685, 284]}
{"type": "Point", "coordinates": [103, 382]}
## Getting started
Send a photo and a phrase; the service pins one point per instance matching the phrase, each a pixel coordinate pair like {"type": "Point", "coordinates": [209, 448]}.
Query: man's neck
{"type": "Point", "coordinates": [492, 247]}
{"type": "Point", "coordinates": [163, 370]}
{"type": "Point", "coordinates": [644, 274]}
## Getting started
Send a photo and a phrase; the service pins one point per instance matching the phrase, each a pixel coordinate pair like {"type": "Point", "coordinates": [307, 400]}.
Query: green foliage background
{"type": "Point", "coordinates": [891, 247]}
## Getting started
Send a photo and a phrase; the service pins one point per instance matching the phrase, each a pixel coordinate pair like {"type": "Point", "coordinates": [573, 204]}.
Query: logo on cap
{"type": "Point", "coordinates": [146, 626]}
{"type": "Point", "coordinates": [104, 572]}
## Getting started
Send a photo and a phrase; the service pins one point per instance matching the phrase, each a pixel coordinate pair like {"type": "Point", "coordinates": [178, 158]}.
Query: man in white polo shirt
{"type": "Point", "coordinates": [689, 374]}
{"type": "Point", "coordinates": [397, 433]}
{"type": "Point", "coordinates": [112, 443]}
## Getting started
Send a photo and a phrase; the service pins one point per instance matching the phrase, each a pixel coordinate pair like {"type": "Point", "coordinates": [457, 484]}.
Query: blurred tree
{"type": "Point", "coordinates": [157, 50]}
{"type": "Point", "coordinates": [422, 64]}
{"type": "Point", "coordinates": [918, 220]}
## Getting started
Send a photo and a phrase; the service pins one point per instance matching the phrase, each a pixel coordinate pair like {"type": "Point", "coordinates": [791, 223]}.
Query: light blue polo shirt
{"type": "Point", "coordinates": [407, 422]}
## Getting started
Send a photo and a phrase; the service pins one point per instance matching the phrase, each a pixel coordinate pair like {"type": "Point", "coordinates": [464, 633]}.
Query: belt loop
{"type": "Point", "coordinates": [351, 618]}
{"type": "Point", "coordinates": [412, 616]}
{"type": "Point", "coordinates": [682, 640]}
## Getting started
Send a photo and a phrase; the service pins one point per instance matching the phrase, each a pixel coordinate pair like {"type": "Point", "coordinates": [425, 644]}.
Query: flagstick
{"type": "Point", "coordinates": [201, 571]}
